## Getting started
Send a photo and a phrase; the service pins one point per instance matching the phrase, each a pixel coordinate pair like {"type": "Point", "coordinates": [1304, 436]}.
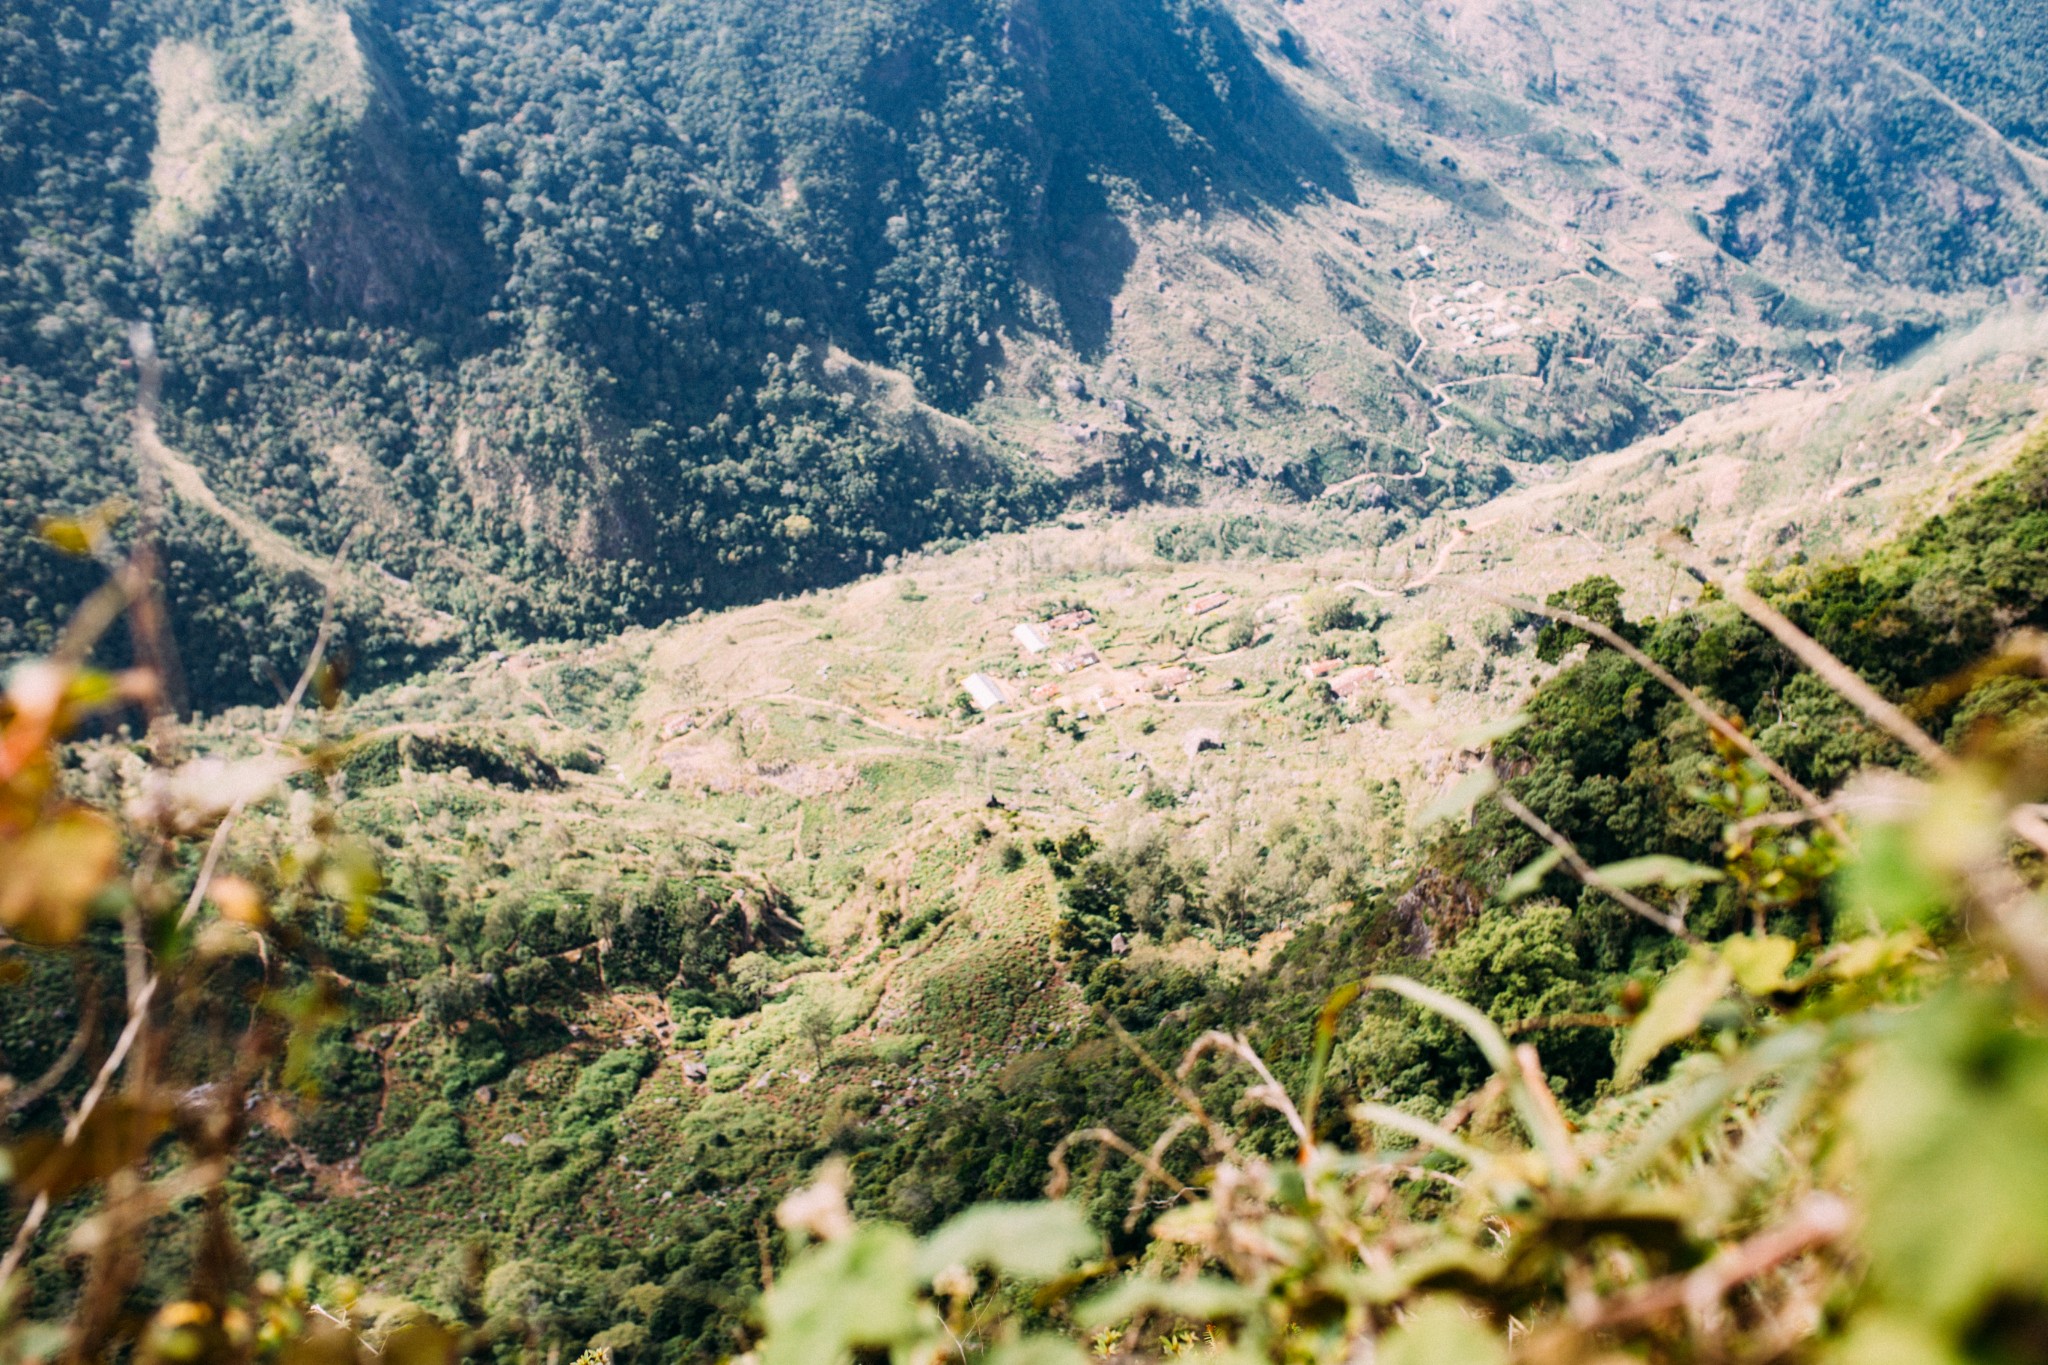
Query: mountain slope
{"type": "Point", "coordinates": [587, 316]}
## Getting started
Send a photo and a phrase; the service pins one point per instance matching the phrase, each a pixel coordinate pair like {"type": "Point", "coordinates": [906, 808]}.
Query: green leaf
{"type": "Point", "coordinates": [1889, 881]}
{"type": "Point", "coordinates": [1200, 1300]}
{"type": "Point", "coordinates": [1657, 869]}
{"type": "Point", "coordinates": [858, 1291]}
{"type": "Point", "coordinates": [1460, 798]}
{"type": "Point", "coordinates": [1029, 1241]}
{"type": "Point", "coordinates": [1525, 882]}
{"type": "Point", "coordinates": [39, 1340]}
{"type": "Point", "coordinates": [1950, 1125]}
{"type": "Point", "coordinates": [1038, 1351]}
{"type": "Point", "coordinates": [1479, 736]}
{"type": "Point", "coordinates": [1439, 1332]}
{"type": "Point", "coordinates": [1682, 1000]}
{"type": "Point", "coordinates": [1759, 963]}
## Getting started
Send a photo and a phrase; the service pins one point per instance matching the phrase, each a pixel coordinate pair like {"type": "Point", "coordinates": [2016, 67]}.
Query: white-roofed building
{"type": "Point", "coordinates": [985, 692]}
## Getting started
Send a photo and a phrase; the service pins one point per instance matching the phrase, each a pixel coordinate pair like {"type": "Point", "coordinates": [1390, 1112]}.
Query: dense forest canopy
{"type": "Point", "coordinates": [582, 316]}
{"type": "Point", "coordinates": [556, 289]}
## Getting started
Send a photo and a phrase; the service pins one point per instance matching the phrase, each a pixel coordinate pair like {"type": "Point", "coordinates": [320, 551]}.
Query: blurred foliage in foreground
{"type": "Point", "coordinates": [219, 987]}
{"type": "Point", "coordinates": [1817, 1134]}
{"type": "Point", "coordinates": [1844, 1161]}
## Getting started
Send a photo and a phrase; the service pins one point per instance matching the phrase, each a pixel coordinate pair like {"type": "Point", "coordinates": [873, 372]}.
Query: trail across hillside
{"type": "Point", "coordinates": [385, 590]}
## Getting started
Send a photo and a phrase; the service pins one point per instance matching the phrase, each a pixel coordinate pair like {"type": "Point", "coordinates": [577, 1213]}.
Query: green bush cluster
{"type": "Point", "coordinates": [434, 1145]}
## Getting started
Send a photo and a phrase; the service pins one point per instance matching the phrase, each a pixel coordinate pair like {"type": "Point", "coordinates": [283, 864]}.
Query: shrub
{"type": "Point", "coordinates": [433, 1146]}
{"type": "Point", "coordinates": [1326, 609]}
{"type": "Point", "coordinates": [602, 1089]}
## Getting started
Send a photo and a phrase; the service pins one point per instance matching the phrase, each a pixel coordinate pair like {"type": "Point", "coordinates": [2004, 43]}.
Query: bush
{"type": "Point", "coordinates": [602, 1089]}
{"type": "Point", "coordinates": [433, 1146]}
{"type": "Point", "coordinates": [1324, 610]}
{"type": "Point", "coordinates": [577, 758]}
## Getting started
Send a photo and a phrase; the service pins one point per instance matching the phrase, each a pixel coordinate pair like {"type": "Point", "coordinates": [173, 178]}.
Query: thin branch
{"type": "Point", "coordinates": [1820, 1219]}
{"type": "Point", "coordinates": [32, 1093]}
{"type": "Point", "coordinates": [1108, 1137]}
{"type": "Point", "coordinates": [1269, 1091]}
{"type": "Point", "coordinates": [1553, 1133]}
{"type": "Point", "coordinates": [1155, 1160]}
{"type": "Point", "coordinates": [1422, 1130]}
{"type": "Point", "coordinates": [1219, 1136]}
{"type": "Point", "coordinates": [1537, 1023]}
{"type": "Point", "coordinates": [1698, 705]}
{"type": "Point", "coordinates": [286, 718]}
{"type": "Point", "coordinates": [40, 1209]}
{"type": "Point", "coordinates": [1740, 830]}
{"type": "Point", "coordinates": [1539, 1114]}
{"type": "Point", "coordinates": [1845, 681]}
{"type": "Point", "coordinates": [148, 619]}
{"type": "Point", "coordinates": [1496, 1086]}
{"type": "Point", "coordinates": [143, 996]}
{"type": "Point", "coordinates": [1586, 872]}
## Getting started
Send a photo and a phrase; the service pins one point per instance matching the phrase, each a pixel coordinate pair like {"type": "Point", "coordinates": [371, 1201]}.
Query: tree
{"type": "Point", "coordinates": [1598, 599]}
{"type": "Point", "coordinates": [1325, 609]}
{"type": "Point", "coordinates": [819, 1025]}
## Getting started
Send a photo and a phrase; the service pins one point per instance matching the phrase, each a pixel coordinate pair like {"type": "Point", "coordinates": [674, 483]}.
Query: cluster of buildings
{"type": "Point", "coordinates": [1039, 641]}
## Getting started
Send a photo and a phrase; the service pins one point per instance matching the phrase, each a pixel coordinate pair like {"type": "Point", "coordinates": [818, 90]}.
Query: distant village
{"type": "Point", "coordinates": [1084, 685]}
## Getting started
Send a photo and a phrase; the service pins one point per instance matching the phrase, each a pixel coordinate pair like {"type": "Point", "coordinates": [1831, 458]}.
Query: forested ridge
{"type": "Point", "coordinates": [560, 286]}
{"type": "Point", "coordinates": [580, 317]}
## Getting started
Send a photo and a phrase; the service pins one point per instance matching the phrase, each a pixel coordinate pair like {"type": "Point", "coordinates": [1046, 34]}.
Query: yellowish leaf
{"type": "Point", "coordinates": [66, 534]}
{"type": "Point", "coordinates": [50, 875]}
{"type": "Point", "coordinates": [1759, 963]}
{"type": "Point", "coordinates": [238, 900]}
{"type": "Point", "coordinates": [1675, 1011]}
{"type": "Point", "coordinates": [119, 1131]}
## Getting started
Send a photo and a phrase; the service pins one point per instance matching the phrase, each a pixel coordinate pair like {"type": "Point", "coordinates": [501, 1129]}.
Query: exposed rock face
{"type": "Point", "coordinates": [1435, 909]}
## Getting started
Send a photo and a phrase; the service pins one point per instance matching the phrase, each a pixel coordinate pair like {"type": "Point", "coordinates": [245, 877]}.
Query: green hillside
{"type": "Point", "coordinates": [579, 318]}
{"type": "Point", "coordinates": [667, 922]}
{"type": "Point", "coordinates": [1023, 681]}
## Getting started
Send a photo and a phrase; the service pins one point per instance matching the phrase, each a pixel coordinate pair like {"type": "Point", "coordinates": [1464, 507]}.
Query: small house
{"type": "Point", "coordinates": [1166, 679]}
{"type": "Point", "coordinates": [1075, 660]}
{"type": "Point", "coordinates": [1072, 620]}
{"type": "Point", "coordinates": [985, 692]}
{"type": "Point", "coordinates": [1107, 699]}
{"type": "Point", "coordinates": [1321, 668]}
{"type": "Point", "coordinates": [1030, 639]}
{"type": "Point", "coordinates": [1352, 681]}
{"type": "Point", "coordinates": [1207, 603]}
